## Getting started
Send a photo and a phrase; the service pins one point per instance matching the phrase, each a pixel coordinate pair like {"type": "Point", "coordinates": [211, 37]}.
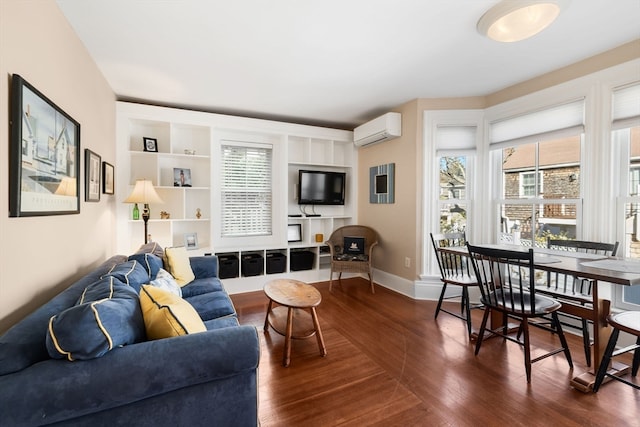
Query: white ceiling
{"type": "Point", "coordinates": [326, 62]}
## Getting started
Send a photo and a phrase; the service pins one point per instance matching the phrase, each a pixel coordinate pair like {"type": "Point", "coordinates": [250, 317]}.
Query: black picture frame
{"type": "Point", "coordinates": [108, 178]}
{"type": "Point", "coordinates": [44, 155]}
{"type": "Point", "coordinates": [92, 171]}
{"type": "Point", "coordinates": [150, 144]}
{"type": "Point", "coordinates": [294, 233]}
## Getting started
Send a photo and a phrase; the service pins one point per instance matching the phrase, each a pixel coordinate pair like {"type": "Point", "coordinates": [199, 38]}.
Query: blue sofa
{"type": "Point", "coordinates": [206, 378]}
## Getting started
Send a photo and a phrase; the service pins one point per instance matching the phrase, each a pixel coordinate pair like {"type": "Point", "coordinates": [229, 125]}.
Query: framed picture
{"type": "Point", "coordinates": [181, 177]}
{"type": "Point", "coordinates": [191, 241]}
{"type": "Point", "coordinates": [381, 184]}
{"type": "Point", "coordinates": [92, 163]}
{"type": "Point", "coordinates": [150, 144]}
{"type": "Point", "coordinates": [44, 155]}
{"type": "Point", "coordinates": [294, 233]}
{"type": "Point", "coordinates": [108, 179]}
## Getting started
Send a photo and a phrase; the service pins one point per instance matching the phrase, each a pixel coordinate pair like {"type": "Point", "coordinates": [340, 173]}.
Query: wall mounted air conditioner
{"type": "Point", "coordinates": [383, 128]}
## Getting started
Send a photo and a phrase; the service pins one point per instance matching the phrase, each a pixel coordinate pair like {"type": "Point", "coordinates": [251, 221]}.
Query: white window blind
{"type": "Point", "coordinates": [452, 139]}
{"type": "Point", "coordinates": [550, 123]}
{"type": "Point", "coordinates": [246, 189]}
{"type": "Point", "coordinates": [626, 107]}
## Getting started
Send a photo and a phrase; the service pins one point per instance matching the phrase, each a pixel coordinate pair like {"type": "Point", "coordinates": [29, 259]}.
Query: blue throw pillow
{"type": "Point", "coordinates": [131, 272]}
{"type": "Point", "coordinates": [150, 262]}
{"type": "Point", "coordinates": [95, 326]}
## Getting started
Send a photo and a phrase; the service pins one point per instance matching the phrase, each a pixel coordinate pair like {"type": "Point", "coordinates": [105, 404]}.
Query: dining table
{"type": "Point", "coordinates": [600, 269]}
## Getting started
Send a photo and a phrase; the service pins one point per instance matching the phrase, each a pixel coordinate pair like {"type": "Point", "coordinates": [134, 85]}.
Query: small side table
{"type": "Point", "coordinates": [291, 318]}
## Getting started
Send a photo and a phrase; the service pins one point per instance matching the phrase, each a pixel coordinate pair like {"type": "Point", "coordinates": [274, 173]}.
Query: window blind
{"type": "Point", "coordinates": [246, 189]}
{"type": "Point", "coordinates": [452, 139]}
{"type": "Point", "coordinates": [550, 123]}
{"type": "Point", "coordinates": [626, 107]}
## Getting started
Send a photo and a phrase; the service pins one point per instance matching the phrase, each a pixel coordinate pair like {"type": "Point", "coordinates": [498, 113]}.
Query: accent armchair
{"type": "Point", "coordinates": [352, 251]}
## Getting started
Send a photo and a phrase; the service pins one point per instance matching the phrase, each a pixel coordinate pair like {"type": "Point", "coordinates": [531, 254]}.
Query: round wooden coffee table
{"type": "Point", "coordinates": [291, 318]}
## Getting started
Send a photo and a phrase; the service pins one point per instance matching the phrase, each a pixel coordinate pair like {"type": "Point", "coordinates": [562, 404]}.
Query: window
{"type": "Point", "coordinates": [540, 163]}
{"type": "Point", "coordinates": [626, 142]}
{"type": "Point", "coordinates": [246, 189]}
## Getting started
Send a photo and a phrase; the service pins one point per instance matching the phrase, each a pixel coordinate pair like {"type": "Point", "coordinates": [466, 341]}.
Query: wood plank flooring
{"type": "Point", "coordinates": [389, 363]}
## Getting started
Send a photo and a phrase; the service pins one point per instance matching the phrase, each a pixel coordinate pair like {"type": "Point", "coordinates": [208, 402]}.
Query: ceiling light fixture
{"type": "Point", "coordinates": [515, 20]}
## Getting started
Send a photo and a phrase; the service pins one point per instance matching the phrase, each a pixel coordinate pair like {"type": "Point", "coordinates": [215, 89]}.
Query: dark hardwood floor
{"type": "Point", "coordinates": [389, 363]}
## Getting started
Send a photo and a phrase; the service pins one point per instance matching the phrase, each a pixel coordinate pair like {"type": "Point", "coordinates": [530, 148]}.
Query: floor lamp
{"type": "Point", "coordinates": [144, 193]}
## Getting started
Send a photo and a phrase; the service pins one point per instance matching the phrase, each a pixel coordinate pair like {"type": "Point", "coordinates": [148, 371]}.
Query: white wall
{"type": "Point", "coordinates": [39, 256]}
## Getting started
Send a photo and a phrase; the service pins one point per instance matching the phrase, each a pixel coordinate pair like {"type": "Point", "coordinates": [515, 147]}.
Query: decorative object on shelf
{"type": "Point", "coordinates": [189, 152]}
{"type": "Point", "coordinates": [381, 184]}
{"type": "Point", "coordinates": [143, 192]}
{"type": "Point", "coordinates": [108, 178]}
{"type": "Point", "coordinates": [294, 233]}
{"type": "Point", "coordinates": [319, 238]}
{"type": "Point", "coordinates": [44, 155]}
{"type": "Point", "coordinates": [165, 215]}
{"type": "Point", "coordinates": [198, 213]}
{"type": "Point", "coordinates": [191, 241]}
{"type": "Point", "coordinates": [92, 162]}
{"type": "Point", "coordinates": [136, 212]}
{"type": "Point", "coordinates": [150, 144]}
{"type": "Point", "coordinates": [181, 177]}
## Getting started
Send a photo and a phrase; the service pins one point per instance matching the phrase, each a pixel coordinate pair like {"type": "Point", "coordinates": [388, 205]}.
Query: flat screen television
{"type": "Point", "coordinates": [321, 187]}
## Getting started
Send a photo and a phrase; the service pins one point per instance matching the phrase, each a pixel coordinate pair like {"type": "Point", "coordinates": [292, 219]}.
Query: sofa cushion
{"type": "Point", "coordinates": [202, 286]}
{"type": "Point", "coordinates": [167, 315]}
{"type": "Point", "coordinates": [131, 273]}
{"type": "Point", "coordinates": [176, 262]}
{"type": "Point", "coordinates": [164, 280]}
{"type": "Point", "coordinates": [150, 262]}
{"type": "Point", "coordinates": [24, 343]}
{"type": "Point", "coordinates": [212, 305]}
{"type": "Point", "coordinates": [151, 248]}
{"type": "Point", "coordinates": [108, 315]}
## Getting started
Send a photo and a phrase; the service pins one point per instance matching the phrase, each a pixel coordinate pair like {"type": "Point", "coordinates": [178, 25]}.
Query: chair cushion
{"type": "Point", "coordinates": [543, 305]}
{"type": "Point", "coordinates": [167, 315]}
{"type": "Point", "coordinates": [107, 316]}
{"type": "Point", "coordinates": [177, 263]}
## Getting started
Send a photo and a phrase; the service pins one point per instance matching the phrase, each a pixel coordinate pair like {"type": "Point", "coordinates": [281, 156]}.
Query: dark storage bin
{"type": "Point", "coordinates": [302, 260]}
{"type": "Point", "coordinates": [252, 264]}
{"type": "Point", "coordinates": [276, 263]}
{"type": "Point", "coordinates": [228, 265]}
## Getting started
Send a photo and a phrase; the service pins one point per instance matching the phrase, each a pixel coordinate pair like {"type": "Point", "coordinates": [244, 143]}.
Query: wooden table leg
{"type": "Point", "coordinates": [287, 338]}
{"type": "Point", "coordinates": [316, 325]}
{"type": "Point", "coordinates": [266, 319]}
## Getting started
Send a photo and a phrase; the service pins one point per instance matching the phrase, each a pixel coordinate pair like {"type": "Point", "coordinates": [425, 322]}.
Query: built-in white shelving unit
{"type": "Point", "coordinates": [295, 147]}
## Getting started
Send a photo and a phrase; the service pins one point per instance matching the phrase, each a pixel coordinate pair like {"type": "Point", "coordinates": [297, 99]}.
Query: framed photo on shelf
{"type": "Point", "coordinates": [108, 180]}
{"type": "Point", "coordinates": [92, 162]}
{"type": "Point", "coordinates": [294, 233]}
{"type": "Point", "coordinates": [191, 241]}
{"type": "Point", "coordinates": [44, 155]}
{"type": "Point", "coordinates": [150, 144]}
{"type": "Point", "coordinates": [181, 177]}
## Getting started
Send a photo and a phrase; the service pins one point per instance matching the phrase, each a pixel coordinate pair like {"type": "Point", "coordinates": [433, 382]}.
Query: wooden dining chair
{"type": "Point", "coordinates": [629, 322]}
{"type": "Point", "coordinates": [572, 290]}
{"type": "Point", "coordinates": [454, 270]}
{"type": "Point", "coordinates": [506, 282]}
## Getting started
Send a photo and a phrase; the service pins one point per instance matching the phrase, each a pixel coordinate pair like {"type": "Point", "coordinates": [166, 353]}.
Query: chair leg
{"type": "Point", "coordinates": [636, 359]}
{"type": "Point", "coordinates": [444, 288]}
{"type": "Point", "coordinates": [524, 325]}
{"type": "Point", "coordinates": [606, 359]}
{"type": "Point", "coordinates": [373, 291]}
{"type": "Point", "coordinates": [586, 338]}
{"type": "Point", "coordinates": [563, 340]}
{"type": "Point", "coordinates": [485, 317]}
{"type": "Point", "coordinates": [330, 280]}
{"type": "Point", "coordinates": [466, 304]}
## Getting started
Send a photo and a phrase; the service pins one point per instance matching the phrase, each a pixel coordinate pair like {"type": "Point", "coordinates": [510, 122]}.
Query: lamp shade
{"type": "Point", "coordinates": [143, 192]}
{"type": "Point", "coordinates": [515, 20]}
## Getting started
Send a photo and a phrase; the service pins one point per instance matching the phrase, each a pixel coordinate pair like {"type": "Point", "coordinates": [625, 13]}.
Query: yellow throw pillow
{"type": "Point", "coordinates": [177, 263]}
{"type": "Point", "coordinates": [167, 315]}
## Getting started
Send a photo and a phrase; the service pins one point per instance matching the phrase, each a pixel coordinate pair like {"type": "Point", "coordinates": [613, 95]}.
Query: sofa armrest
{"type": "Point", "coordinates": [55, 390]}
{"type": "Point", "coordinates": [204, 266]}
